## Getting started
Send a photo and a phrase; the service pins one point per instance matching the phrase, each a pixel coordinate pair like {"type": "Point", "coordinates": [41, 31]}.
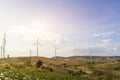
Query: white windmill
{"type": "Point", "coordinates": [1, 51]}
{"type": "Point", "coordinates": [37, 46]}
{"type": "Point", "coordinates": [30, 52]}
{"type": "Point", "coordinates": [114, 51]}
{"type": "Point", "coordinates": [4, 45]}
{"type": "Point", "coordinates": [55, 48]}
{"type": "Point", "coordinates": [90, 52]}
{"type": "Point", "coordinates": [75, 51]}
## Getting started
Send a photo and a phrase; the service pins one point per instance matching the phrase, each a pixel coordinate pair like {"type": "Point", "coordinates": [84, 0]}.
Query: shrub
{"type": "Point", "coordinates": [38, 63]}
{"type": "Point", "coordinates": [64, 65]}
{"type": "Point", "coordinates": [105, 75]}
{"type": "Point", "coordinates": [7, 66]}
{"type": "Point", "coordinates": [51, 69]}
{"type": "Point", "coordinates": [45, 67]}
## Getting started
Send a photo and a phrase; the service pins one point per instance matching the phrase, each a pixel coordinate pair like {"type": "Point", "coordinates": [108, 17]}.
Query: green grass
{"type": "Point", "coordinates": [15, 69]}
{"type": "Point", "coordinates": [20, 74]}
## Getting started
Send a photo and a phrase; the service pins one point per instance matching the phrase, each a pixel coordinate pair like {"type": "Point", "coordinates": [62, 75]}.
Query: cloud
{"type": "Point", "coordinates": [104, 35]}
{"type": "Point", "coordinates": [105, 38]}
{"type": "Point", "coordinates": [100, 49]}
{"type": "Point", "coordinates": [106, 41]}
{"type": "Point", "coordinates": [29, 33]}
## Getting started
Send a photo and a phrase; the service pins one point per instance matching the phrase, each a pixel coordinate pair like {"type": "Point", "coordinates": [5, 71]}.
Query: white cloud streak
{"type": "Point", "coordinates": [104, 35]}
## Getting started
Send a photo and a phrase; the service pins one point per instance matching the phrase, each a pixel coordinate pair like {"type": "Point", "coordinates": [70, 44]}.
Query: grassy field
{"type": "Point", "coordinates": [23, 74]}
{"type": "Point", "coordinates": [24, 68]}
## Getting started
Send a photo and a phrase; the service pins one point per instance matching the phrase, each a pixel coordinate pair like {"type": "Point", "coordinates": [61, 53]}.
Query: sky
{"type": "Point", "coordinates": [90, 25]}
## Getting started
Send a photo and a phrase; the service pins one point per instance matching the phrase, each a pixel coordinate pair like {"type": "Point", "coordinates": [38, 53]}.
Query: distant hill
{"type": "Point", "coordinates": [87, 57]}
{"type": "Point", "coordinates": [59, 57]}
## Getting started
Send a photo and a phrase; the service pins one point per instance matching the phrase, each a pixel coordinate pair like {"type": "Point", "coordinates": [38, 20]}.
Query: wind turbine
{"type": "Point", "coordinates": [114, 49]}
{"type": "Point", "coordinates": [30, 53]}
{"type": "Point", "coordinates": [37, 45]}
{"type": "Point", "coordinates": [55, 51]}
{"type": "Point", "coordinates": [4, 44]}
{"type": "Point", "coordinates": [90, 55]}
{"type": "Point", "coordinates": [76, 50]}
{"type": "Point", "coordinates": [1, 51]}
{"type": "Point", "coordinates": [55, 47]}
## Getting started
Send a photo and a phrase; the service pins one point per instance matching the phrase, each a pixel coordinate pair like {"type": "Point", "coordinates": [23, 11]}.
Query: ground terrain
{"type": "Point", "coordinates": [23, 68]}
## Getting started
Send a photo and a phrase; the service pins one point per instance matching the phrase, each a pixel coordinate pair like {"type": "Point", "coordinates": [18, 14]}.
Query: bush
{"type": "Point", "coordinates": [81, 72]}
{"type": "Point", "coordinates": [45, 67]}
{"type": "Point", "coordinates": [106, 75]}
{"type": "Point", "coordinates": [7, 66]}
{"type": "Point", "coordinates": [38, 63]}
{"type": "Point", "coordinates": [51, 69]}
{"type": "Point", "coordinates": [64, 65]}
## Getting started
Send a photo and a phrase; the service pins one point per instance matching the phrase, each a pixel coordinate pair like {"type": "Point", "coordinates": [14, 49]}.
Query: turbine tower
{"type": "Point", "coordinates": [4, 45]}
{"type": "Point", "coordinates": [90, 52]}
{"type": "Point", "coordinates": [75, 51]}
{"type": "Point", "coordinates": [114, 51]}
{"type": "Point", "coordinates": [75, 54]}
{"type": "Point", "coordinates": [55, 47]}
{"type": "Point", "coordinates": [55, 51]}
{"type": "Point", "coordinates": [1, 51]}
{"type": "Point", "coordinates": [37, 45]}
{"type": "Point", "coordinates": [30, 53]}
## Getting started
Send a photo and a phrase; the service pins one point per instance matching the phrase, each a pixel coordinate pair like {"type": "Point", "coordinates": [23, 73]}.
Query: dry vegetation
{"type": "Point", "coordinates": [79, 69]}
